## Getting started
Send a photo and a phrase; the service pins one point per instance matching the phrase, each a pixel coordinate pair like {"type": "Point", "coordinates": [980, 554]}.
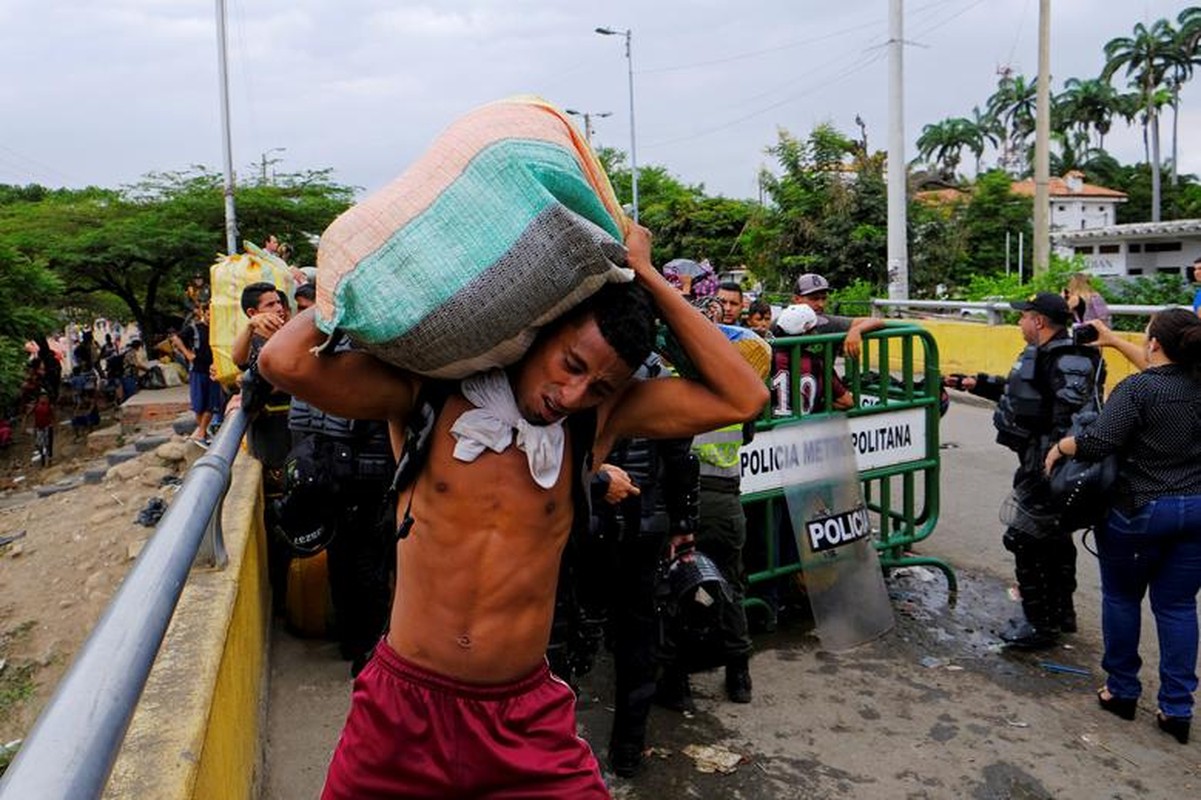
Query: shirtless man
{"type": "Point", "coordinates": [458, 700]}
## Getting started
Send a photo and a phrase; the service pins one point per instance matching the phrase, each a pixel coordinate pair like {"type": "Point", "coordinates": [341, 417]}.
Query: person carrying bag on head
{"type": "Point", "coordinates": [1151, 538]}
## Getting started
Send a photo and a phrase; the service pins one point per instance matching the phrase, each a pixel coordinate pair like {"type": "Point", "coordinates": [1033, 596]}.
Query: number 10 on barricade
{"type": "Point", "coordinates": [833, 530]}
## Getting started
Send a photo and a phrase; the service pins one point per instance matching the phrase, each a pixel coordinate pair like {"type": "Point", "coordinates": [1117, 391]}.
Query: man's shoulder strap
{"type": "Point", "coordinates": [419, 429]}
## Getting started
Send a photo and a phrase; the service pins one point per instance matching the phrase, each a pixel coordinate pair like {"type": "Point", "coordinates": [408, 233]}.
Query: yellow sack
{"type": "Point", "coordinates": [228, 277]}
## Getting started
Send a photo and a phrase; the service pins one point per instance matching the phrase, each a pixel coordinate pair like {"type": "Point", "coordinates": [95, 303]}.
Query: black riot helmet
{"type": "Point", "coordinates": [302, 517]}
{"type": "Point", "coordinates": [691, 597]}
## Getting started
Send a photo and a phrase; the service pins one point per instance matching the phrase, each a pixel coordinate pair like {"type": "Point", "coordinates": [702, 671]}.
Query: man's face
{"type": "Point", "coordinates": [816, 301]}
{"type": "Point", "coordinates": [1032, 324]}
{"type": "Point", "coordinates": [731, 305]}
{"type": "Point", "coordinates": [567, 371]}
{"type": "Point", "coordinates": [759, 322]}
{"type": "Point", "coordinates": [271, 303]}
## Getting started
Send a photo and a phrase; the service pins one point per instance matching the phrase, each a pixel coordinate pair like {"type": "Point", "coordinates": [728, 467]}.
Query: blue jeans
{"type": "Point", "coordinates": [1157, 548]}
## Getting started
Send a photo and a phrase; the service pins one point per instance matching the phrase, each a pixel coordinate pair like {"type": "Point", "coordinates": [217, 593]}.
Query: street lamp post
{"type": "Point", "coordinates": [628, 34]}
{"type": "Point", "coordinates": [588, 120]}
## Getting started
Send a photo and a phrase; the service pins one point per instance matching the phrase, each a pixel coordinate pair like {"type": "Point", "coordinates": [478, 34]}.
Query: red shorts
{"type": "Point", "coordinates": [414, 733]}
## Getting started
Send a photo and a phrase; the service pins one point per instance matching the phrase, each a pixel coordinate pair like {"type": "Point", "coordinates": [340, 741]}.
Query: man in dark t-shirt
{"type": "Point", "coordinates": [204, 394]}
{"type": "Point", "coordinates": [812, 290]}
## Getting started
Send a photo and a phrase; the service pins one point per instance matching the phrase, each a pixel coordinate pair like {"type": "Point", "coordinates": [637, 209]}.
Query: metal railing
{"type": "Point", "coordinates": [992, 311]}
{"type": "Point", "coordinates": [74, 743]}
{"type": "Point", "coordinates": [903, 494]}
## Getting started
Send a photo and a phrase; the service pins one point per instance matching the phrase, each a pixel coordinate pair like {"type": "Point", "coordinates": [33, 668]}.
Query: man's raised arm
{"type": "Point", "coordinates": [348, 384]}
{"type": "Point", "coordinates": [727, 391]}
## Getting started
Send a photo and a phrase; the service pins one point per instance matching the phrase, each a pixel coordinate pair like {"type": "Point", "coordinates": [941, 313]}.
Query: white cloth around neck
{"type": "Point", "coordinates": [496, 422]}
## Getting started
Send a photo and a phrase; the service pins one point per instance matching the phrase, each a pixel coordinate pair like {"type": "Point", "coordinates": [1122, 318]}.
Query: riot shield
{"type": "Point", "coordinates": [833, 531]}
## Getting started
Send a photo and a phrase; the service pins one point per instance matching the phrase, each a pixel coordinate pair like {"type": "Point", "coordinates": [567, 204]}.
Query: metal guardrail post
{"type": "Point", "coordinates": [74, 743]}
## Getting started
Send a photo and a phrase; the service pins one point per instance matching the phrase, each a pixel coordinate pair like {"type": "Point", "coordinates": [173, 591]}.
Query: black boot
{"type": "Point", "coordinates": [625, 757]}
{"type": "Point", "coordinates": [674, 692]}
{"type": "Point", "coordinates": [1040, 600]}
{"type": "Point", "coordinates": [1021, 635]}
{"type": "Point", "coordinates": [738, 680]}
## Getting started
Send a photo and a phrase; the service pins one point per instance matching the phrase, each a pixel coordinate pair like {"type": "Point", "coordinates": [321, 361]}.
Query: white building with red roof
{"type": "Point", "coordinates": [1076, 205]}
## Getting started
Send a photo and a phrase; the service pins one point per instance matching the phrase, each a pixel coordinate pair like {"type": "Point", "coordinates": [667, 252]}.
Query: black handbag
{"type": "Point", "coordinates": [1082, 490]}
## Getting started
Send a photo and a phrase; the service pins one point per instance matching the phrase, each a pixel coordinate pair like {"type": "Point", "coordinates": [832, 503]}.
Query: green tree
{"type": "Point", "coordinates": [138, 244]}
{"type": "Point", "coordinates": [686, 222]}
{"type": "Point", "coordinates": [827, 212]}
{"type": "Point", "coordinates": [29, 294]}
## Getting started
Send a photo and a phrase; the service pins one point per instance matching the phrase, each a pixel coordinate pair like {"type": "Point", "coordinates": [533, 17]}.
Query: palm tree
{"type": "Point", "coordinates": [943, 143]}
{"type": "Point", "coordinates": [1088, 105]}
{"type": "Point", "coordinates": [1147, 57]}
{"type": "Point", "coordinates": [1188, 57]}
{"type": "Point", "coordinates": [988, 132]}
{"type": "Point", "coordinates": [1012, 105]}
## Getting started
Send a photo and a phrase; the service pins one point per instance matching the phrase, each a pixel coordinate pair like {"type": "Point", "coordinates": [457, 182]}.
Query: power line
{"type": "Point", "coordinates": [788, 45]}
{"type": "Point", "coordinates": [796, 96]}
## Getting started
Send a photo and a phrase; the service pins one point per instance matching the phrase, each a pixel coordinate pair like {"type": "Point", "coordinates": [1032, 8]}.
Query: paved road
{"type": "Point", "coordinates": [931, 710]}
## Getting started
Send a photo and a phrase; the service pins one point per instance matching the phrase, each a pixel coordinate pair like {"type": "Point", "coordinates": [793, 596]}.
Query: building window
{"type": "Point", "coordinates": [1134, 248]}
{"type": "Point", "coordinates": [1163, 247]}
{"type": "Point", "coordinates": [1170, 270]}
{"type": "Point", "coordinates": [1135, 271]}
{"type": "Point", "coordinates": [1061, 208]}
{"type": "Point", "coordinates": [1083, 249]}
{"type": "Point", "coordinates": [1109, 248]}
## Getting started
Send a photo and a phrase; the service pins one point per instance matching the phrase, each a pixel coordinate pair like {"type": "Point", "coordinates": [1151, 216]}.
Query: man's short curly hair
{"type": "Point", "coordinates": [625, 315]}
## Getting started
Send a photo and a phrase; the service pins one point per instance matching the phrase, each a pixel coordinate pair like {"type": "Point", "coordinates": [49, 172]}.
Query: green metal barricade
{"type": "Point", "coordinates": [894, 391]}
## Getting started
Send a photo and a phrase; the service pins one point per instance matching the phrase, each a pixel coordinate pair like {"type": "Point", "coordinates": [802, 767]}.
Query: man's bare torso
{"type": "Point", "coordinates": [475, 584]}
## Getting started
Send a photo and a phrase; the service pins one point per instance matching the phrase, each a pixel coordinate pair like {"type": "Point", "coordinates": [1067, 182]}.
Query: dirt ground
{"type": "Point", "coordinates": [57, 578]}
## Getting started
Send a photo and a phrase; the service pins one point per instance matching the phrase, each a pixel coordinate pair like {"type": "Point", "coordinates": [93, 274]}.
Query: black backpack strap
{"type": "Point", "coordinates": [418, 437]}
{"type": "Point", "coordinates": [583, 437]}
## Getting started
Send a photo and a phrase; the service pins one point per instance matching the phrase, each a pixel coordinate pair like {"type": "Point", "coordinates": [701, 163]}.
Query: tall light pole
{"type": "Point", "coordinates": [898, 248]}
{"type": "Point", "coordinates": [633, 141]}
{"type": "Point", "coordinates": [231, 217]}
{"type": "Point", "coordinates": [588, 120]}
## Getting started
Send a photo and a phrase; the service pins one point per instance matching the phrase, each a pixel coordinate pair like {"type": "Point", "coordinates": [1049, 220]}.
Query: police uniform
{"type": "Point", "coordinates": [722, 536]}
{"type": "Point", "coordinates": [358, 457]}
{"type": "Point", "coordinates": [1048, 384]}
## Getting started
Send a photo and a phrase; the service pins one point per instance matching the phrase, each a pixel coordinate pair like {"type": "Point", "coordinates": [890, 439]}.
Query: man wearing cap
{"type": "Point", "coordinates": [1051, 381]}
{"type": "Point", "coordinates": [812, 290]}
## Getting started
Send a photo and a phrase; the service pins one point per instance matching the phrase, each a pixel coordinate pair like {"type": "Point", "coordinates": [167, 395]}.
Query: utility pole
{"type": "Point", "coordinates": [1042, 140]}
{"type": "Point", "coordinates": [231, 217]}
{"type": "Point", "coordinates": [267, 162]}
{"type": "Point", "coordinates": [898, 253]}
{"type": "Point", "coordinates": [588, 120]}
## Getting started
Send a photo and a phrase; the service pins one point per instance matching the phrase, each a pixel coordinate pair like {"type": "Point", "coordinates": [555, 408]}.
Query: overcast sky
{"type": "Point", "coordinates": [103, 91]}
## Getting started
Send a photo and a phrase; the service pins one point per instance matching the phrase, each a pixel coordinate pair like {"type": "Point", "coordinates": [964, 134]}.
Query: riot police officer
{"type": "Point", "coordinates": [341, 506]}
{"type": "Point", "coordinates": [1053, 379]}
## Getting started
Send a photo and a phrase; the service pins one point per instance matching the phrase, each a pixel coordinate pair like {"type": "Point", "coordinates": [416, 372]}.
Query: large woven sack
{"type": "Point", "coordinates": [507, 221]}
{"type": "Point", "coordinates": [228, 277]}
